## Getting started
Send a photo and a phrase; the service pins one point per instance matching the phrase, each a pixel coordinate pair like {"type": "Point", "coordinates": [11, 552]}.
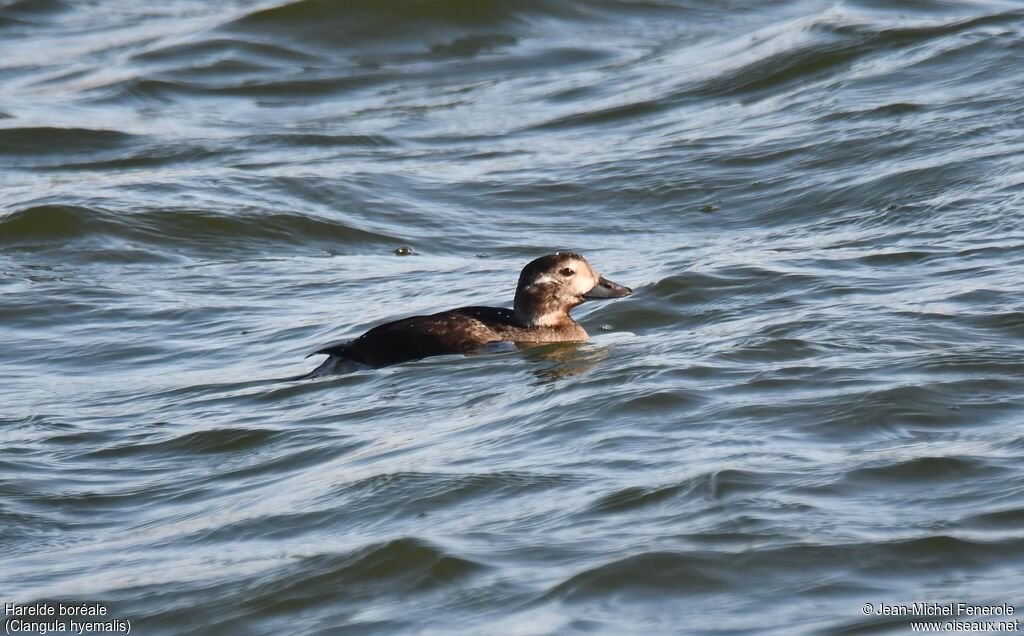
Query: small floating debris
{"type": "Point", "coordinates": [606, 327]}
{"type": "Point", "coordinates": [707, 207]}
{"type": "Point", "coordinates": [404, 250]}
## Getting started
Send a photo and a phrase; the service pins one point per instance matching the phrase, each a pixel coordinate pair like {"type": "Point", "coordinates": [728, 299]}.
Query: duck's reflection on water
{"type": "Point", "coordinates": [567, 358]}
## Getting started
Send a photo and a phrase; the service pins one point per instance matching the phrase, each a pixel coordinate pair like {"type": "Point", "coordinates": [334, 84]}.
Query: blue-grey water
{"type": "Point", "coordinates": [814, 399]}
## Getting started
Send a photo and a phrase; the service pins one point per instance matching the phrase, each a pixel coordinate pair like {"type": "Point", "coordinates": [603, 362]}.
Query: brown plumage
{"type": "Point", "coordinates": [549, 287]}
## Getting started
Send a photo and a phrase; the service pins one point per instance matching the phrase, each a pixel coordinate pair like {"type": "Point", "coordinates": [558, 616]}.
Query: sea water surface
{"type": "Point", "coordinates": [814, 399]}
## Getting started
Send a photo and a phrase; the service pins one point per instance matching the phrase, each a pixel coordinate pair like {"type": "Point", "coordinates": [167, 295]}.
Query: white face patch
{"type": "Point", "coordinates": [546, 278]}
{"type": "Point", "coordinates": [582, 280]}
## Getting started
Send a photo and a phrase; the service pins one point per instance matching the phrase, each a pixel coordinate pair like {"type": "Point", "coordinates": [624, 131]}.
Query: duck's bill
{"type": "Point", "coordinates": [607, 289]}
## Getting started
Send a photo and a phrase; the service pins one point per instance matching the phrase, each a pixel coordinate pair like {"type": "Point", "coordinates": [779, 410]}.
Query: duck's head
{"type": "Point", "coordinates": [552, 285]}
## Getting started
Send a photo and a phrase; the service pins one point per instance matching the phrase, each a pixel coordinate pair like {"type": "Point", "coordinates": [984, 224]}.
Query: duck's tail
{"type": "Point", "coordinates": [335, 364]}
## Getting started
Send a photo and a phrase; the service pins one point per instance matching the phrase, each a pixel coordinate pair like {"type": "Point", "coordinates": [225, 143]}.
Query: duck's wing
{"type": "Point", "coordinates": [457, 331]}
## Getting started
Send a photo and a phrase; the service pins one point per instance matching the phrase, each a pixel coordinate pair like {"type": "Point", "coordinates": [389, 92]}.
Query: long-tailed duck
{"type": "Point", "coordinates": [549, 287]}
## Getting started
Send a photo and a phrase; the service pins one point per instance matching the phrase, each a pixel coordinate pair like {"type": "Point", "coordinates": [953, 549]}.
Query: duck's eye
{"type": "Point", "coordinates": [567, 272]}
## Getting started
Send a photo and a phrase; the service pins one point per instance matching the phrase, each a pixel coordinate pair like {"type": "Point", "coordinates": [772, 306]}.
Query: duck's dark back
{"type": "Point", "coordinates": [456, 331]}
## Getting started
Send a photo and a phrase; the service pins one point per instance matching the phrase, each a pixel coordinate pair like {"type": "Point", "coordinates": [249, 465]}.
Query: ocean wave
{"type": "Point", "coordinates": [43, 225]}
{"type": "Point", "coordinates": [315, 584]}
{"type": "Point", "coordinates": [216, 441]}
{"type": "Point", "coordinates": [696, 573]}
{"type": "Point", "coordinates": [29, 12]}
{"type": "Point", "coordinates": [924, 469]}
{"type": "Point", "coordinates": [43, 140]}
{"type": "Point", "coordinates": [714, 486]}
{"type": "Point", "coordinates": [361, 20]}
{"type": "Point", "coordinates": [792, 55]}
